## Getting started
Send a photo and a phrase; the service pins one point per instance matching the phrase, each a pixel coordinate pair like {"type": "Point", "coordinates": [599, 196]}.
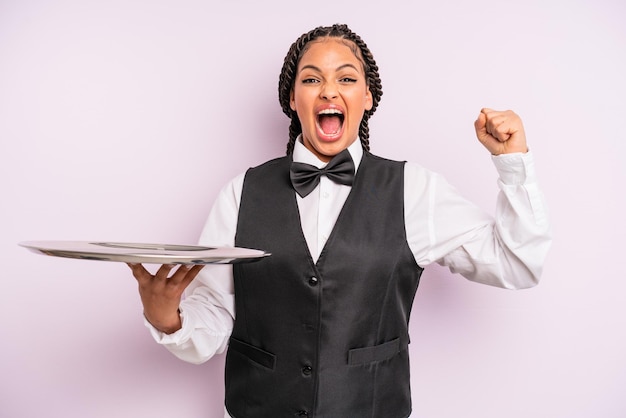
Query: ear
{"type": "Point", "coordinates": [369, 100]}
{"type": "Point", "coordinates": [292, 101]}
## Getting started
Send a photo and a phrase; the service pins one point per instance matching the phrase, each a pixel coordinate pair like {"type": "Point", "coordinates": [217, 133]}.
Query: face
{"type": "Point", "coordinates": [330, 95]}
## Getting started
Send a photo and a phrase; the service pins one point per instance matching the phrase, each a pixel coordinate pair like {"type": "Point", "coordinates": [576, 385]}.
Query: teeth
{"type": "Point", "coordinates": [330, 112]}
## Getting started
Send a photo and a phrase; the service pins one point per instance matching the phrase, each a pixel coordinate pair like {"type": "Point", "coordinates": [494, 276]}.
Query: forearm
{"type": "Point", "coordinates": [198, 339]}
{"type": "Point", "coordinates": [208, 304]}
{"type": "Point", "coordinates": [510, 251]}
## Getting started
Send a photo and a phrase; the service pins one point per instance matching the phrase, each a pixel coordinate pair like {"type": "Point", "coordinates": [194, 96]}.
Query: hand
{"type": "Point", "coordinates": [160, 294]}
{"type": "Point", "coordinates": [501, 132]}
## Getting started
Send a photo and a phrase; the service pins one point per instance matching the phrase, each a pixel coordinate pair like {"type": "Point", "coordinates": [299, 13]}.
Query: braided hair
{"type": "Point", "coordinates": [290, 68]}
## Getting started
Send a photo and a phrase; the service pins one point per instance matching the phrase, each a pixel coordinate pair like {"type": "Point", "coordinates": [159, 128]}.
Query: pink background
{"type": "Point", "coordinates": [120, 120]}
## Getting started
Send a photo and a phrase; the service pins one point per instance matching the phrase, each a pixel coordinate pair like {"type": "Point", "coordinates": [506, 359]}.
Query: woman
{"type": "Point", "coordinates": [320, 328]}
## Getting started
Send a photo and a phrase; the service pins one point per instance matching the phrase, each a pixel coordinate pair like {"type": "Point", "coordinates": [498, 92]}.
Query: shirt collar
{"type": "Point", "coordinates": [301, 154]}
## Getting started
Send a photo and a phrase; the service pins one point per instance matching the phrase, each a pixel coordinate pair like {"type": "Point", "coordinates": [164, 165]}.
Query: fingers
{"type": "Point", "coordinates": [139, 271]}
{"type": "Point", "coordinates": [164, 271]}
{"type": "Point", "coordinates": [184, 274]}
{"type": "Point", "coordinates": [500, 131]}
{"type": "Point", "coordinates": [483, 134]}
{"type": "Point", "coordinates": [481, 122]}
{"type": "Point", "coordinates": [497, 124]}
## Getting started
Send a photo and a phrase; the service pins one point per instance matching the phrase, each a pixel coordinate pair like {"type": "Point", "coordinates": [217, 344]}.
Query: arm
{"type": "Point", "coordinates": [204, 324]}
{"type": "Point", "coordinates": [507, 250]}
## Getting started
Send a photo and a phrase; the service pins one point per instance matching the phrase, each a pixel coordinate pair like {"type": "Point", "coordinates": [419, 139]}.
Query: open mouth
{"type": "Point", "coordinates": [330, 122]}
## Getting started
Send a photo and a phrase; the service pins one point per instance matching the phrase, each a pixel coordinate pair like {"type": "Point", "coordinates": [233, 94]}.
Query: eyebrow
{"type": "Point", "coordinates": [341, 67]}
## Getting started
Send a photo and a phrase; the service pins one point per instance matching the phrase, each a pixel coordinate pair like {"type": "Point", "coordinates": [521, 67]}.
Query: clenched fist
{"type": "Point", "coordinates": [501, 132]}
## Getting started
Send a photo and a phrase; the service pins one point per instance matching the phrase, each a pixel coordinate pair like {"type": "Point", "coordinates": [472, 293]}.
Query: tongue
{"type": "Point", "coordinates": [330, 124]}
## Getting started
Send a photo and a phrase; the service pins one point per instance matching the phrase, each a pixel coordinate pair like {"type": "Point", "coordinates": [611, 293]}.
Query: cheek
{"type": "Point", "coordinates": [302, 106]}
{"type": "Point", "coordinates": [298, 102]}
{"type": "Point", "coordinates": [359, 97]}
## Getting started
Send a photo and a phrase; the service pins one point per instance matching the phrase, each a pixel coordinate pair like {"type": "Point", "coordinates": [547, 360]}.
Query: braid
{"type": "Point", "coordinates": [295, 129]}
{"type": "Point", "coordinates": [290, 68]}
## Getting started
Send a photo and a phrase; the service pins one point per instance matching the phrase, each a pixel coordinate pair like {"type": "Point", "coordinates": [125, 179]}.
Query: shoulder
{"type": "Point", "coordinates": [377, 159]}
{"type": "Point", "coordinates": [277, 168]}
{"type": "Point", "coordinates": [413, 172]}
{"type": "Point", "coordinates": [420, 180]}
{"type": "Point", "coordinates": [271, 164]}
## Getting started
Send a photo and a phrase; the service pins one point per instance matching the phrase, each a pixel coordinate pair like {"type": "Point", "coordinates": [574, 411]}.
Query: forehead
{"type": "Point", "coordinates": [331, 52]}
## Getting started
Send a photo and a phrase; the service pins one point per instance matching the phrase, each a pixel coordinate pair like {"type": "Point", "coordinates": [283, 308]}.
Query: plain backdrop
{"type": "Point", "coordinates": [121, 120]}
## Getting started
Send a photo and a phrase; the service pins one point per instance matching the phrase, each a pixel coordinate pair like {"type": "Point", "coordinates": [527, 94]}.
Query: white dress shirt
{"type": "Point", "coordinates": [441, 226]}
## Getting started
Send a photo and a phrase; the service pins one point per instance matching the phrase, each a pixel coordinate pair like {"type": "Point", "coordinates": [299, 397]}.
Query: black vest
{"type": "Point", "coordinates": [326, 339]}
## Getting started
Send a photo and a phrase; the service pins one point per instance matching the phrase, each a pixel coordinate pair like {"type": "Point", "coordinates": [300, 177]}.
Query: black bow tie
{"type": "Point", "coordinates": [305, 177]}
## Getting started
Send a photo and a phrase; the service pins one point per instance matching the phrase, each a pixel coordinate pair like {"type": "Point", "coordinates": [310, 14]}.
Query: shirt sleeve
{"type": "Point", "coordinates": [505, 250]}
{"type": "Point", "coordinates": [208, 305]}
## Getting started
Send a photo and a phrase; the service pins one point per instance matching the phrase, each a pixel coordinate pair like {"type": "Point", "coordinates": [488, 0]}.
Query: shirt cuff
{"type": "Point", "coordinates": [163, 338]}
{"type": "Point", "coordinates": [516, 168]}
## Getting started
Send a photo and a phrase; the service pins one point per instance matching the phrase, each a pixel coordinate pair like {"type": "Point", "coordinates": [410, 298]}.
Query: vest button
{"type": "Point", "coordinates": [313, 281]}
{"type": "Point", "coordinates": [307, 370]}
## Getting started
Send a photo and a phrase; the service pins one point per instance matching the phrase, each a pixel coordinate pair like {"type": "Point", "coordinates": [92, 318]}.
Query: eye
{"type": "Point", "coordinates": [347, 80]}
{"type": "Point", "coordinates": [309, 80]}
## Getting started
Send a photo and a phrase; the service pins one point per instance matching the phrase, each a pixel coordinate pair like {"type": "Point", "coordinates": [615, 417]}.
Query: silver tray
{"type": "Point", "coordinates": [127, 252]}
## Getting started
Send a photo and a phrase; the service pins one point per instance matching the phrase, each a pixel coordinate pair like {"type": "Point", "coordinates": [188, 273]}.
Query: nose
{"type": "Point", "coordinates": [329, 91]}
